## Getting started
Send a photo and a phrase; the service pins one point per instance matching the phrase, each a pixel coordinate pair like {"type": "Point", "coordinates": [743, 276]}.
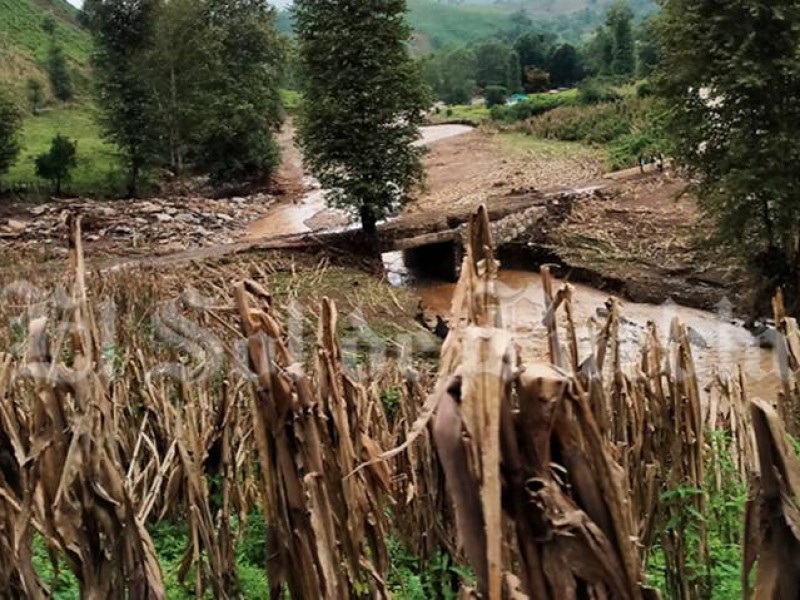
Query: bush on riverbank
{"type": "Point", "coordinates": [629, 128]}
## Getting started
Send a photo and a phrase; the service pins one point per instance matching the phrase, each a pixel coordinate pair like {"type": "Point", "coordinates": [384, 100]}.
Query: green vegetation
{"type": "Point", "coordinates": [726, 496]}
{"type": "Point", "coordinates": [206, 102]}
{"type": "Point", "coordinates": [57, 164]}
{"type": "Point", "coordinates": [526, 57]}
{"type": "Point", "coordinates": [535, 104]}
{"type": "Point", "coordinates": [734, 125]}
{"type": "Point", "coordinates": [363, 102]}
{"type": "Point", "coordinates": [98, 169]}
{"type": "Point", "coordinates": [471, 114]}
{"type": "Point", "coordinates": [10, 120]}
{"type": "Point", "coordinates": [439, 25]}
{"type": "Point", "coordinates": [518, 142]}
{"type": "Point", "coordinates": [25, 45]}
{"type": "Point", "coordinates": [628, 129]}
{"type": "Point", "coordinates": [290, 99]}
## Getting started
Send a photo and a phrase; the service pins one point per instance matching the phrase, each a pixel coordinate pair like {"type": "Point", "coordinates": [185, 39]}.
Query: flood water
{"type": "Point", "coordinates": [718, 345]}
{"type": "Point", "coordinates": [292, 219]}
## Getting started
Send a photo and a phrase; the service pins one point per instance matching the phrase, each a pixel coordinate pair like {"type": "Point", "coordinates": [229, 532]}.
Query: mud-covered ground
{"type": "Point", "coordinates": [637, 235]}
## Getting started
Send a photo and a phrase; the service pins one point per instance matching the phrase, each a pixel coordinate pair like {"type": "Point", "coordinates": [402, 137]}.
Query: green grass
{"type": "Point", "coordinates": [24, 45]}
{"type": "Point", "coordinates": [522, 143]}
{"type": "Point", "coordinates": [21, 28]}
{"type": "Point", "coordinates": [98, 168]}
{"type": "Point", "coordinates": [465, 113]}
{"type": "Point", "coordinates": [290, 99]}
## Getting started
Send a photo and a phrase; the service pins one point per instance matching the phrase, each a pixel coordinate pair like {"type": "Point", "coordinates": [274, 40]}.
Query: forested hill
{"type": "Point", "coordinates": [440, 23]}
{"type": "Point", "coordinates": [25, 43]}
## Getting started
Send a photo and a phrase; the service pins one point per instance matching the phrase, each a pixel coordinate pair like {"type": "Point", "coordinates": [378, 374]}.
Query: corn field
{"type": "Point", "coordinates": [570, 479]}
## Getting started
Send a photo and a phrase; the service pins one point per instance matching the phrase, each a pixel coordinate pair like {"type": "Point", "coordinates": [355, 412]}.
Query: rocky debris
{"type": "Point", "coordinates": [162, 223]}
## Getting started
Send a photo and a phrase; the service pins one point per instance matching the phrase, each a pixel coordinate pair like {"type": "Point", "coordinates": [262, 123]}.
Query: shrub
{"type": "Point", "coordinates": [533, 106]}
{"type": "Point", "coordinates": [56, 164]}
{"type": "Point", "coordinates": [630, 128]}
{"type": "Point", "coordinates": [644, 89]}
{"type": "Point", "coordinates": [495, 95]}
{"type": "Point", "coordinates": [595, 91]}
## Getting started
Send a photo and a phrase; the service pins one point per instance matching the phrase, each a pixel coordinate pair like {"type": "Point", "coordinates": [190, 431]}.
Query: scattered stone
{"type": "Point", "coordinates": [16, 226]}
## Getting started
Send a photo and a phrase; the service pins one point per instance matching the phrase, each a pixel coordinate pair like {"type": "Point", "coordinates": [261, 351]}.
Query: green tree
{"type": "Point", "coordinates": [513, 72]}
{"type": "Point", "coordinates": [178, 64]}
{"type": "Point", "coordinates": [534, 50]}
{"type": "Point", "coordinates": [58, 70]}
{"type": "Point", "coordinates": [56, 164]}
{"type": "Point", "coordinates": [10, 124]}
{"type": "Point", "coordinates": [244, 102]}
{"type": "Point", "coordinates": [451, 74]}
{"type": "Point", "coordinates": [35, 94]}
{"type": "Point", "coordinates": [730, 75]}
{"type": "Point", "coordinates": [363, 102]}
{"type": "Point", "coordinates": [123, 35]}
{"type": "Point", "coordinates": [565, 66]}
{"type": "Point", "coordinates": [57, 67]}
{"type": "Point", "coordinates": [600, 54]}
{"type": "Point", "coordinates": [495, 95]}
{"type": "Point", "coordinates": [620, 23]}
{"type": "Point", "coordinates": [648, 53]}
{"type": "Point", "coordinates": [491, 58]}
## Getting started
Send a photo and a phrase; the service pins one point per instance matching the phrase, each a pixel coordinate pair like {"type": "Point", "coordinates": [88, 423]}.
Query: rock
{"type": "Point", "coordinates": [768, 338]}
{"type": "Point", "coordinates": [163, 218]}
{"type": "Point", "coordinates": [38, 211]}
{"type": "Point", "coordinates": [696, 338]}
{"type": "Point", "coordinates": [224, 217]}
{"type": "Point", "coordinates": [107, 211]}
{"type": "Point", "coordinates": [187, 218]}
{"type": "Point", "coordinates": [17, 226]}
{"type": "Point", "coordinates": [149, 208]}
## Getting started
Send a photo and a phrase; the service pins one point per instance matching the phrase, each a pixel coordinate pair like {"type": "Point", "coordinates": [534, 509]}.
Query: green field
{"type": "Point", "coordinates": [97, 172]}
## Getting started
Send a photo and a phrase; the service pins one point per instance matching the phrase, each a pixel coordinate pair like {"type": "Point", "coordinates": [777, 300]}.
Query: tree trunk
{"type": "Point", "coordinates": [134, 179]}
{"type": "Point", "coordinates": [369, 224]}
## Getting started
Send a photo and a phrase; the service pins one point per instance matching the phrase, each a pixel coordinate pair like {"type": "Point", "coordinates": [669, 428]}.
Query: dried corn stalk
{"type": "Point", "coordinates": [520, 444]}
{"type": "Point", "coordinates": [59, 419]}
{"type": "Point", "coordinates": [772, 521]}
{"type": "Point", "coordinates": [327, 527]}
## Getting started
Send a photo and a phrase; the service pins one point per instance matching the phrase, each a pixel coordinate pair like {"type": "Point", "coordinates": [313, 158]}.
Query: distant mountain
{"type": "Point", "coordinates": [438, 23]}
{"type": "Point", "coordinates": [24, 43]}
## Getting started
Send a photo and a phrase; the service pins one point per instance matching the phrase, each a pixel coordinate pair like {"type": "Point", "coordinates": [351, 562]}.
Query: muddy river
{"type": "Point", "coordinates": [718, 344]}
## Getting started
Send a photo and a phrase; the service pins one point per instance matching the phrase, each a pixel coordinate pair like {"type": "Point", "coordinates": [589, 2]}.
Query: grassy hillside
{"type": "Point", "coordinates": [439, 23]}
{"type": "Point", "coordinates": [98, 170]}
{"type": "Point", "coordinates": [436, 25]}
{"type": "Point", "coordinates": [24, 44]}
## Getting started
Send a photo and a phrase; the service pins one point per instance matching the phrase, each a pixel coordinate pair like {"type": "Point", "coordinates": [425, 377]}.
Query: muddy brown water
{"type": "Point", "coordinates": [719, 345]}
{"type": "Point", "coordinates": [295, 218]}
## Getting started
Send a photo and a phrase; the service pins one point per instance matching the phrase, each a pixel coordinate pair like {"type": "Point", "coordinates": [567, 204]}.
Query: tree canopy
{"type": "Point", "coordinates": [189, 84]}
{"type": "Point", "coordinates": [730, 75]}
{"type": "Point", "coordinates": [362, 105]}
{"type": "Point", "coordinates": [10, 124]}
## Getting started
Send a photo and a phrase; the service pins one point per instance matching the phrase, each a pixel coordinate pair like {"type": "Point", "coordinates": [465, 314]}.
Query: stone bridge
{"type": "Point", "coordinates": [433, 243]}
